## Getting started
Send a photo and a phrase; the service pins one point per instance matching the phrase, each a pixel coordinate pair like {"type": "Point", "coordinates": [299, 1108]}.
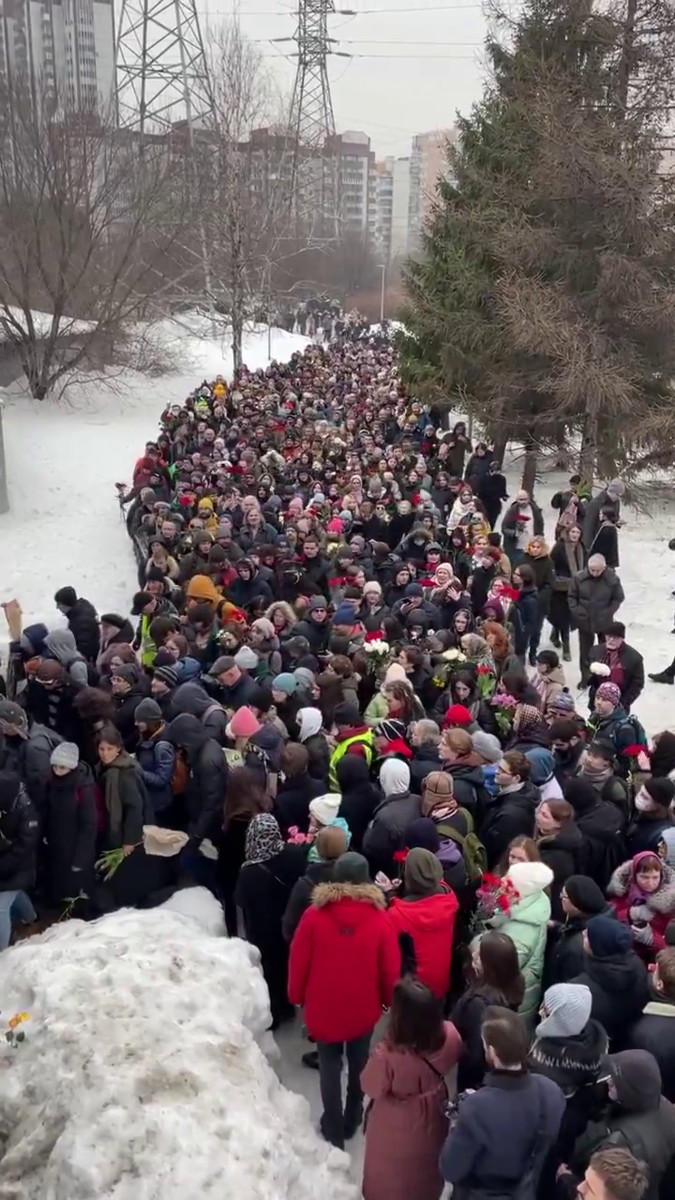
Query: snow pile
{"type": "Point", "coordinates": [142, 1077]}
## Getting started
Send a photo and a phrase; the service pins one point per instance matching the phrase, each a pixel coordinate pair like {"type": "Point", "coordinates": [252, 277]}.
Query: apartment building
{"type": "Point", "coordinates": [428, 161]}
{"type": "Point", "coordinates": [64, 44]}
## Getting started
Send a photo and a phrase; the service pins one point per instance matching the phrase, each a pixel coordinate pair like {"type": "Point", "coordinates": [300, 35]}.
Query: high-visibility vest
{"type": "Point", "coordinates": [365, 739]}
{"type": "Point", "coordinates": [148, 647]}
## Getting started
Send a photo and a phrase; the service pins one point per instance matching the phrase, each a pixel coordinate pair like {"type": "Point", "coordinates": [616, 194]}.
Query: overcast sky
{"type": "Point", "coordinates": [415, 65]}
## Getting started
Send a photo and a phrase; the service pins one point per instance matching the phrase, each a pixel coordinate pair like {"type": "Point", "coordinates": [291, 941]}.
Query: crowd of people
{"type": "Point", "coordinates": [342, 703]}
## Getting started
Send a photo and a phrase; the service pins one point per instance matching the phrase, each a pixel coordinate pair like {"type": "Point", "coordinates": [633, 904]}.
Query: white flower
{"type": "Point", "coordinates": [453, 656]}
{"type": "Point", "coordinates": [377, 647]}
{"type": "Point", "coordinates": [598, 668]}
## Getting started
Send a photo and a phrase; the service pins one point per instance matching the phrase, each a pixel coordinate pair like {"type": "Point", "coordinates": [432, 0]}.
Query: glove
{"type": "Point", "coordinates": [639, 912]}
{"type": "Point", "coordinates": [643, 934]}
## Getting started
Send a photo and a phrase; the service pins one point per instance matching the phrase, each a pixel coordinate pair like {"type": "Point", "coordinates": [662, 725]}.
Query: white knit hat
{"type": "Point", "coordinates": [528, 878]}
{"type": "Point", "coordinates": [569, 1010]}
{"type": "Point", "coordinates": [325, 808]}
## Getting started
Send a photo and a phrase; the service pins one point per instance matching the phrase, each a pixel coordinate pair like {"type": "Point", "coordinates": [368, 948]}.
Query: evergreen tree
{"type": "Point", "coordinates": [543, 298]}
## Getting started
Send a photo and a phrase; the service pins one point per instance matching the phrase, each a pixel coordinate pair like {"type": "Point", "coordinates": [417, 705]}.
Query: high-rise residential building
{"type": "Point", "coordinates": [384, 191]}
{"type": "Point", "coordinates": [400, 205]}
{"type": "Point", "coordinates": [352, 164]}
{"type": "Point", "coordinates": [428, 161]}
{"type": "Point", "coordinates": [64, 44]}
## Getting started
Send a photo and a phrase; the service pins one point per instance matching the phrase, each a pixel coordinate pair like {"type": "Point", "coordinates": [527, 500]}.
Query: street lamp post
{"type": "Point", "coordinates": [383, 268]}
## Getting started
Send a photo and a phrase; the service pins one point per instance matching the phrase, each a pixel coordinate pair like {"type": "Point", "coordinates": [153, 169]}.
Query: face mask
{"type": "Point", "coordinates": [643, 802]}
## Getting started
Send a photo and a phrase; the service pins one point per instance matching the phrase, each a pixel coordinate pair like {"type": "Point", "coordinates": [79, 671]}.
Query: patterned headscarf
{"type": "Point", "coordinates": [263, 839]}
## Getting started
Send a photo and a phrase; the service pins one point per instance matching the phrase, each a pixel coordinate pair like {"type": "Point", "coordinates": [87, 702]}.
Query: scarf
{"type": "Point", "coordinates": [574, 555]}
{"type": "Point", "coordinates": [113, 800]}
{"type": "Point", "coordinates": [596, 777]}
{"type": "Point", "coordinates": [263, 839]}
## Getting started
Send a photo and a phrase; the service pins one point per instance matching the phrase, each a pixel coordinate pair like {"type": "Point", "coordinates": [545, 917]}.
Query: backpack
{"type": "Point", "coordinates": [473, 850]}
{"type": "Point", "coordinates": [180, 775]}
{"type": "Point", "coordinates": [639, 736]}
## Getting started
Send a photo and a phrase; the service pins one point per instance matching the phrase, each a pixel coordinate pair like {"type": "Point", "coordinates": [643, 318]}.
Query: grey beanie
{"type": "Point", "coordinates": [246, 658]}
{"type": "Point", "coordinates": [65, 755]}
{"type": "Point", "coordinates": [148, 710]}
{"type": "Point", "coordinates": [351, 868]}
{"type": "Point", "coordinates": [569, 1010]}
{"type": "Point", "coordinates": [487, 745]}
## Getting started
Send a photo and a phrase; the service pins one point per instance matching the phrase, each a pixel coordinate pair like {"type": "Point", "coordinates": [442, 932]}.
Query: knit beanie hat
{"type": "Point", "coordinates": [610, 692]}
{"type": "Point", "coordinates": [437, 786]}
{"type": "Point", "coordinates": [569, 1010]}
{"type": "Point", "coordinates": [147, 711]}
{"type": "Point", "coordinates": [285, 682]}
{"type": "Point", "coordinates": [422, 872]}
{"type": "Point", "coordinates": [351, 868]}
{"type": "Point", "coordinates": [264, 627]}
{"type": "Point", "coordinates": [246, 658]}
{"type": "Point", "coordinates": [457, 714]}
{"type": "Point", "coordinates": [65, 755]}
{"type": "Point", "coordinates": [344, 615]}
{"type": "Point", "coordinates": [243, 723]}
{"type": "Point", "coordinates": [526, 717]}
{"type": "Point", "coordinates": [346, 714]}
{"type": "Point", "coordinates": [128, 671]}
{"type": "Point", "coordinates": [317, 602]}
{"type": "Point", "coordinates": [305, 677]}
{"type": "Point", "coordinates": [114, 620]}
{"type": "Point", "coordinates": [563, 703]}
{"type": "Point", "coordinates": [487, 746]}
{"type": "Point", "coordinates": [390, 728]}
{"type": "Point", "coordinates": [661, 791]}
{"type": "Point", "coordinates": [422, 832]}
{"type": "Point", "coordinates": [325, 808]}
{"type": "Point", "coordinates": [13, 714]}
{"type": "Point", "coordinates": [584, 893]}
{"type": "Point", "coordinates": [608, 936]}
{"type": "Point", "coordinates": [168, 675]}
{"type": "Point", "coordinates": [394, 674]}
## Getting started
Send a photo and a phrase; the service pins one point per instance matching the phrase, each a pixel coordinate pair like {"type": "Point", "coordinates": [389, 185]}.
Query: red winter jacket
{"type": "Point", "coordinates": [344, 961]}
{"type": "Point", "coordinates": [430, 921]}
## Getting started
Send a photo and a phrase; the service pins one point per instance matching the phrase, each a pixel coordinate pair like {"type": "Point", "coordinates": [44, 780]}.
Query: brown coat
{"type": "Point", "coordinates": [406, 1126]}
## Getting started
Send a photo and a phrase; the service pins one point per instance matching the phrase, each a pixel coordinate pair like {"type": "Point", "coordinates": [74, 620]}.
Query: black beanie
{"type": "Point", "coordinates": [67, 596]}
{"type": "Point", "coordinates": [580, 794]}
{"type": "Point", "coordinates": [347, 714]}
{"type": "Point", "coordinates": [585, 895]}
{"type": "Point", "coordinates": [661, 791]}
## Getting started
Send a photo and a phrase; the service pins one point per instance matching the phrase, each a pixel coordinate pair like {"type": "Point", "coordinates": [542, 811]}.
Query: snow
{"type": "Point", "coordinates": [63, 460]}
{"type": "Point", "coordinates": [142, 1076]}
{"type": "Point", "coordinates": [42, 323]}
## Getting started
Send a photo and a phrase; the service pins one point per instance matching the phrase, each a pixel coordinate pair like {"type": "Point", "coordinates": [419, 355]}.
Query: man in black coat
{"type": "Point", "coordinates": [49, 697]}
{"type": "Point", "coordinates": [25, 748]}
{"type": "Point", "coordinates": [610, 499]}
{"type": "Point", "coordinates": [616, 977]}
{"type": "Point", "coordinates": [315, 627]}
{"type": "Point", "coordinates": [581, 899]}
{"type": "Point", "coordinates": [655, 1029]}
{"type": "Point", "coordinates": [82, 621]}
{"type": "Point", "coordinates": [128, 689]}
{"type": "Point", "coordinates": [207, 768]}
{"type": "Point", "coordinates": [626, 664]}
{"type": "Point", "coordinates": [425, 739]}
{"type": "Point", "coordinates": [19, 830]}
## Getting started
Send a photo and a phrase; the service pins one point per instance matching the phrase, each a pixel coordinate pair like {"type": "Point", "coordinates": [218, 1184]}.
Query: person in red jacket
{"type": "Point", "coordinates": [344, 962]}
{"type": "Point", "coordinates": [642, 892]}
{"type": "Point", "coordinates": [424, 920]}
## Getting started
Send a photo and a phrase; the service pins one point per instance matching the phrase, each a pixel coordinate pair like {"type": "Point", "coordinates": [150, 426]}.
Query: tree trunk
{"type": "Point", "coordinates": [588, 456]}
{"type": "Point", "coordinates": [529, 466]}
{"type": "Point", "coordinates": [499, 444]}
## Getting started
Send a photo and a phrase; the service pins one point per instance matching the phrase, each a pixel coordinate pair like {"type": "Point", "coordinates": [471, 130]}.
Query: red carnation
{"type": "Point", "coordinates": [400, 856]}
{"type": "Point", "coordinates": [503, 903]}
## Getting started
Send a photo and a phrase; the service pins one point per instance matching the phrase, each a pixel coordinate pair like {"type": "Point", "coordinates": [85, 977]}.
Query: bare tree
{"type": "Point", "coordinates": [87, 220]}
{"type": "Point", "coordinates": [248, 193]}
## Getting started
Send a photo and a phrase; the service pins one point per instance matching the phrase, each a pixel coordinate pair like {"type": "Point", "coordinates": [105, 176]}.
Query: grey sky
{"type": "Point", "coordinates": [415, 87]}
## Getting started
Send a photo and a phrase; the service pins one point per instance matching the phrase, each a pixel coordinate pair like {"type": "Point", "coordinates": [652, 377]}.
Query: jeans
{"type": "Point", "coordinates": [334, 1118]}
{"type": "Point", "coordinates": [14, 904]}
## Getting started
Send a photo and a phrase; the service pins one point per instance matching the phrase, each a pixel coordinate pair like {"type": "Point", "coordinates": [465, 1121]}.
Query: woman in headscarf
{"type": "Point", "coordinates": [268, 874]}
{"type": "Point", "coordinates": [310, 727]}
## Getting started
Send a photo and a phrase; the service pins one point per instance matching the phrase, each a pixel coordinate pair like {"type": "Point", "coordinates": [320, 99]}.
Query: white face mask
{"type": "Point", "coordinates": [643, 801]}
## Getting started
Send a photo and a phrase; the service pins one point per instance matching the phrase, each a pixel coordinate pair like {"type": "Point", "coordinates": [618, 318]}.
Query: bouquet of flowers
{"type": "Point", "coordinates": [496, 896]}
{"type": "Point", "coordinates": [505, 707]}
{"type": "Point", "coordinates": [485, 680]}
{"type": "Point", "coordinates": [377, 653]}
{"type": "Point", "coordinates": [450, 660]}
{"type": "Point", "coordinates": [600, 669]}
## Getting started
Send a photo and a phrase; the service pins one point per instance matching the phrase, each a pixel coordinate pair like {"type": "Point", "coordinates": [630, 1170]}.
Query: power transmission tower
{"type": "Point", "coordinates": [162, 82]}
{"type": "Point", "coordinates": [312, 121]}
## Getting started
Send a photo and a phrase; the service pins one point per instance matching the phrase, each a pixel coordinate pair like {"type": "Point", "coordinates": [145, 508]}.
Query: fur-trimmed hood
{"type": "Point", "coordinates": [661, 901]}
{"type": "Point", "coordinates": [571, 1062]}
{"type": "Point", "coordinates": [332, 893]}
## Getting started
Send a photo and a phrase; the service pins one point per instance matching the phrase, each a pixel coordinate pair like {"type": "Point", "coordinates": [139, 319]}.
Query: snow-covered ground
{"type": "Point", "coordinates": [143, 1075]}
{"type": "Point", "coordinates": [63, 460]}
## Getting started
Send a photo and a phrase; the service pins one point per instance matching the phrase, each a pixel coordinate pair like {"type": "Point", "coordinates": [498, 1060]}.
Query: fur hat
{"type": "Point", "coordinates": [568, 1006]}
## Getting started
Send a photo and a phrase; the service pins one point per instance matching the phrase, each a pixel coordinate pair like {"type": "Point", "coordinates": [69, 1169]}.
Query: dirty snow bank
{"type": "Point", "coordinates": [142, 1076]}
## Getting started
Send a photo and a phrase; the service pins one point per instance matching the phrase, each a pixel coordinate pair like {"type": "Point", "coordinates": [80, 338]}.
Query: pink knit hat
{"type": "Point", "coordinates": [244, 723]}
{"type": "Point", "coordinates": [609, 691]}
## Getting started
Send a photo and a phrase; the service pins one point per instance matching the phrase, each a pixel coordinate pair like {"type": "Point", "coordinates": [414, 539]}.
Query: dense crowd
{"type": "Point", "coordinates": [341, 704]}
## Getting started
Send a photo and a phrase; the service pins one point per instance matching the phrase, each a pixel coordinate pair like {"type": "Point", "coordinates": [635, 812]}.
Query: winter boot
{"type": "Point", "coordinates": [555, 639]}
{"type": "Point", "coordinates": [666, 676]}
{"type": "Point", "coordinates": [567, 654]}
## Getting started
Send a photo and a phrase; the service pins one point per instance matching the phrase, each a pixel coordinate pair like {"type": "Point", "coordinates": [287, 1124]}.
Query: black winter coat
{"type": "Point", "coordinates": [262, 893]}
{"type": "Point", "coordinates": [655, 1031]}
{"type": "Point", "coordinates": [318, 635]}
{"type": "Point", "coordinates": [543, 576]}
{"type": "Point", "coordinates": [319, 757]}
{"type": "Point", "coordinates": [563, 852]}
{"type": "Point", "coordinates": [509, 815]}
{"type": "Point", "coordinates": [84, 626]}
{"type": "Point", "coordinates": [633, 665]}
{"type": "Point", "coordinates": [467, 1017]}
{"type": "Point", "coordinates": [125, 711]}
{"type": "Point", "coordinates": [425, 760]}
{"type": "Point", "coordinates": [205, 789]}
{"type": "Point", "coordinates": [291, 806]}
{"type": "Point", "coordinates": [593, 602]}
{"type": "Point", "coordinates": [54, 708]}
{"type": "Point", "coordinates": [604, 845]}
{"type": "Point", "coordinates": [619, 987]}
{"type": "Point", "coordinates": [523, 615]}
{"type": "Point", "coordinates": [70, 831]}
{"type": "Point", "coordinates": [30, 758]}
{"type": "Point", "coordinates": [19, 831]}
{"type": "Point", "coordinates": [124, 823]}
{"type": "Point", "coordinates": [565, 949]}
{"type": "Point", "coordinates": [301, 895]}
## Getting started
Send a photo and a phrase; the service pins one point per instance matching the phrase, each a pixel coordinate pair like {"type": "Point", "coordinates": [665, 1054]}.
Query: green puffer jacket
{"type": "Point", "coordinates": [527, 926]}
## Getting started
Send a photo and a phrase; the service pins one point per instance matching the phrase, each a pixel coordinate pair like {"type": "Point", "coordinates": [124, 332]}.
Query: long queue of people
{"type": "Point", "coordinates": [335, 705]}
